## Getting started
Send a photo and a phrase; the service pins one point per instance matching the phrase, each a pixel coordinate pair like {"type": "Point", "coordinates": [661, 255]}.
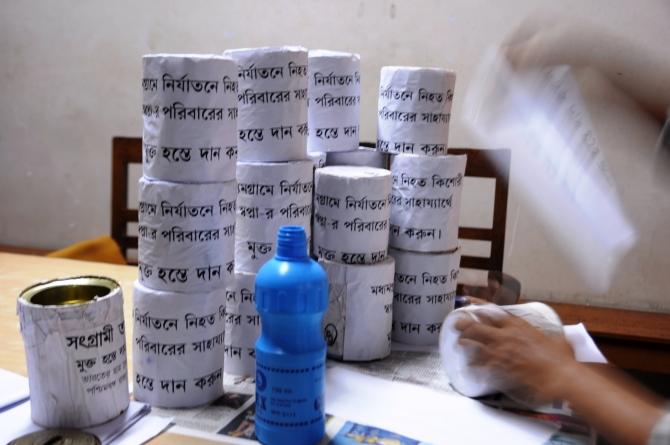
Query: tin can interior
{"type": "Point", "coordinates": [68, 292]}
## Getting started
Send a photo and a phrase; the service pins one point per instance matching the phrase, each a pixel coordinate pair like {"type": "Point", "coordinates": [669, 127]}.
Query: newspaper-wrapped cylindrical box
{"type": "Point", "coordinates": [272, 103]}
{"type": "Point", "coordinates": [270, 195]}
{"type": "Point", "coordinates": [426, 202]}
{"type": "Point", "coordinates": [357, 324]}
{"type": "Point", "coordinates": [189, 104]}
{"type": "Point", "coordinates": [74, 337]}
{"type": "Point", "coordinates": [186, 239]}
{"type": "Point", "coordinates": [363, 156]}
{"type": "Point", "coordinates": [242, 326]}
{"type": "Point", "coordinates": [351, 214]}
{"type": "Point", "coordinates": [178, 341]}
{"type": "Point", "coordinates": [424, 293]}
{"type": "Point", "coordinates": [414, 110]}
{"type": "Point", "coordinates": [476, 381]}
{"type": "Point", "coordinates": [334, 100]}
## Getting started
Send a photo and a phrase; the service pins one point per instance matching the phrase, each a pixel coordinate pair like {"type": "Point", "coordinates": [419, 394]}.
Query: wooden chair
{"type": "Point", "coordinates": [493, 164]}
{"type": "Point", "coordinates": [125, 151]}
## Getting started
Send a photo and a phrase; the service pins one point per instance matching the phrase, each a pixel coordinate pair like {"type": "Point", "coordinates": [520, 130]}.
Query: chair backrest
{"type": "Point", "coordinates": [125, 151]}
{"type": "Point", "coordinates": [493, 164]}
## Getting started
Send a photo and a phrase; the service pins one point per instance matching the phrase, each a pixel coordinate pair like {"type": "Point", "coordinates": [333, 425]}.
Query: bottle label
{"type": "Point", "coordinates": [289, 397]}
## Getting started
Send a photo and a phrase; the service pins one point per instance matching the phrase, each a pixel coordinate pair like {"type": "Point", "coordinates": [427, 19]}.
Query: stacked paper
{"type": "Point", "coordinates": [186, 242]}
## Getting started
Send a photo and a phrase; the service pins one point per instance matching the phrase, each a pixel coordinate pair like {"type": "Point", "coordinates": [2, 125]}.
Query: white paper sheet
{"type": "Point", "coordinates": [584, 347]}
{"type": "Point", "coordinates": [13, 389]}
{"type": "Point", "coordinates": [424, 414]}
{"type": "Point", "coordinates": [16, 422]}
{"type": "Point", "coordinates": [143, 430]}
{"type": "Point", "coordinates": [561, 172]}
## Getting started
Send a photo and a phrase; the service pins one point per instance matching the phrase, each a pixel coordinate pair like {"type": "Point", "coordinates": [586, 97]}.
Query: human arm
{"type": "Point", "coordinates": [615, 406]}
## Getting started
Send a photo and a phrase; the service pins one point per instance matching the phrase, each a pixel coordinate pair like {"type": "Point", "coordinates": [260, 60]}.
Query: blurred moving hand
{"type": "Point", "coordinates": [617, 407]}
{"type": "Point", "coordinates": [640, 70]}
{"type": "Point", "coordinates": [505, 344]}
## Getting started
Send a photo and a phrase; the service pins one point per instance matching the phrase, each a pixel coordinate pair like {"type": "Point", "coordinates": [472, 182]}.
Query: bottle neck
{"type": "Point", "coordinates": [291, 244]}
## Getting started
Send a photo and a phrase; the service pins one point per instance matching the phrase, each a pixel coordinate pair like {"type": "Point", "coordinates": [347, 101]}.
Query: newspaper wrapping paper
{"type": "Point", "coordinates": [272, 103]}
{"type": "Point", "coordinates": [351, 214]}
{"type": "Point", "coordinates": [357, 324]}
{"type": "Point", "coordinates": [363, 156]}
{"type": "Point", "coordinates": [424, 293]}
{"type": "Point", "coordinates": [270, 195]}
{"type": "Point", "coordinates": [243, 326]}
{"type": "Point", "coordinates": [178, 341]}
{"type": "Point", "coordinates": [476, 381]}
{"type": "Point", "coordinates": [426, 202]}
{"type": "Point", "coordinates": [189, 105]}
{"type": "Point", "coordinates": [414, 110]}
{"type": "Point", "coordinates": [334, 100]}
{"type": "Point", "coordinates": [76, 357]}
{"type": "Point", "coordinates": [177, 260]}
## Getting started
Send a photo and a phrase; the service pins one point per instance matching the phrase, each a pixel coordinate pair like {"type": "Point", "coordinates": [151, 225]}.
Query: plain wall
{"type": "Point", "coordinates": [70, 80]}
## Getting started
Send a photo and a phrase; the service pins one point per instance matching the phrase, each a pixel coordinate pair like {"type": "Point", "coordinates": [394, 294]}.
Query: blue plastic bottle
{"type": "Point", "coordinates": [291, 298]}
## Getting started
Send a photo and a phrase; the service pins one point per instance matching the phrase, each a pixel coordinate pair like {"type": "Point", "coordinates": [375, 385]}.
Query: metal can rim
{"type": "Point", "coordinates": [27, 294]}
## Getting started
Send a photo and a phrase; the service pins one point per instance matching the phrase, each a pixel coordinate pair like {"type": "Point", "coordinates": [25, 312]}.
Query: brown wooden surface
{"type": "Point", "coordinates": [617, 323]}
{"type": "Point", "coordinates": [23, 250]}
{"type": "Point", "coordinates": [633, 340]}
{"type": "Point", "coordinates": [125, 151]}
{"type": "Point", "coordinates": [19, 271]}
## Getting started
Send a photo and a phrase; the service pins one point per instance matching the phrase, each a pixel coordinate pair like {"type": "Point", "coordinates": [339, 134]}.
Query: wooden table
{"type": "Point", "coordinates": [20, 271]}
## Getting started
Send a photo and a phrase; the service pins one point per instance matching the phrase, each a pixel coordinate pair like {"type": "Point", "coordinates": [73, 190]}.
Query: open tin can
{"type": "Point", "coordinates": [74, 337]}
